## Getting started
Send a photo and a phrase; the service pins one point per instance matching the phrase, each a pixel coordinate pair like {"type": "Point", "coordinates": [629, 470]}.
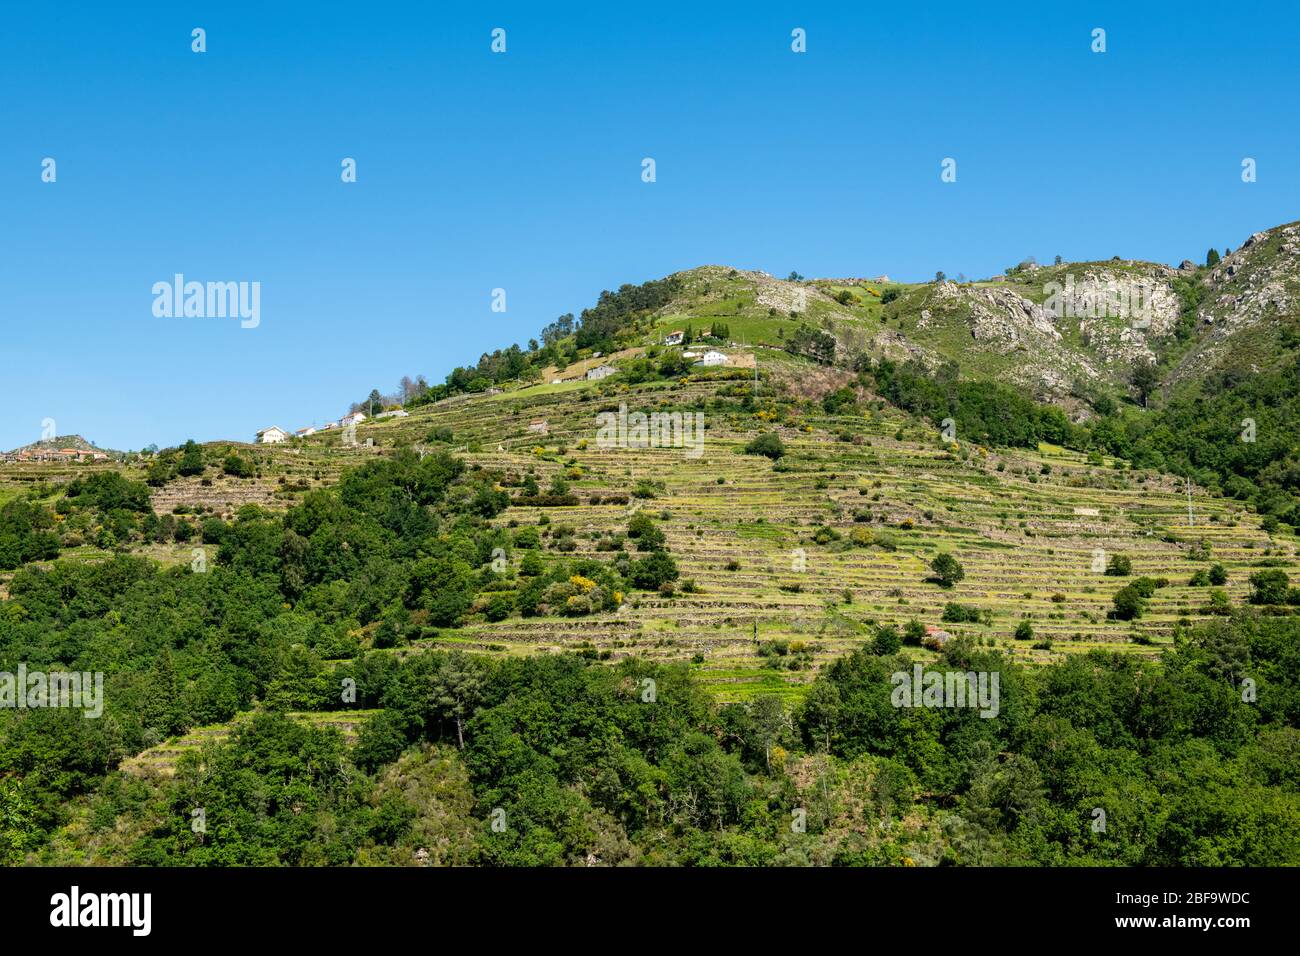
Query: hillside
{"type": "Point", "coordinates": [1026, 521]}
{"type": "Point", "coordinates": [865, 498]}
{"type": "Point", "coordinates": [1065, 333]}
{"type": "Point", "coordinates": [359, 646]}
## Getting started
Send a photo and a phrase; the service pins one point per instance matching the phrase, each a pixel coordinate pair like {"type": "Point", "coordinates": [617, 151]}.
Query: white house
{"type": "Point", "coordinates": [600, 371]}
{"type": "Point", "coordinates": [674, 337]}
{"type": "Point", "coordinates": [356, 418]}
{"type": "Point", "coordinates": [713, 357]}
{"type": "Point", "coordinates": [328, 425]}
{"type": "Point", "coordinates": [304, 432]}
{"type": "Point", "coordinates": [272, 436]}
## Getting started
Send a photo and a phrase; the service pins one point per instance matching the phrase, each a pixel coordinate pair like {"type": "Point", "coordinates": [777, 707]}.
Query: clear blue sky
{"type": "Point", "coordinates": [522, 171]}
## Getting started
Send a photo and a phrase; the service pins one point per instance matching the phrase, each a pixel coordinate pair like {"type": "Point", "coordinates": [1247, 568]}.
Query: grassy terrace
{"type": "Point", "coordinates": [736, 526]}
{"type": "Point", "coordinates": [741, 530]}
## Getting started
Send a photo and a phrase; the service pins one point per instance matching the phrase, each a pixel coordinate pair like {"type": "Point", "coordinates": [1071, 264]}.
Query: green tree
{"type": "Point", "coordinates": [1128, 603]}
{"type": "Point", "coordinates": [947, 569]}
{"type": "Point", "coordinates": [19, 831]}
{"type": "Point", "coordinates": [887, 640]}
{"type": "Point", "coordinates": [1144, 380]}
{"type": "Point", "coordinates": [1119, 566]}
{"type": "Point", "coordinates": [456, 691]}
{"type": "Point", "coordinates": [191, 459]}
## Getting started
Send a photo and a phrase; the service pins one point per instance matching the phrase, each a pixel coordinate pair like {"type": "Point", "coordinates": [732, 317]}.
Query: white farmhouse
{"type": "Point", "coordinates": [304, 432]}
{"type": "Point", "coordinates": [600, 371]}
{"type": "Point", "coordinates": [713, 357]}
{"type": "Point", "coordinates": [674, 337]}
{"type": "Point", "coordinates": [274, 435]}
{"type": "Point", "coordinates": [356, 418]}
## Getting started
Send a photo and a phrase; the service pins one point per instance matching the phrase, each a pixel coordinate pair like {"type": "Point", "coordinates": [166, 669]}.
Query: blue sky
{"type": "Point", "coordinates": [522, 171]}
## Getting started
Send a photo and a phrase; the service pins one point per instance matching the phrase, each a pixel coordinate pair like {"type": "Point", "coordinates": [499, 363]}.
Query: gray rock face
{"type": "Point", "coordinates": [1249, 287]}
{"type": "Point", "coordinates": [998, 317]}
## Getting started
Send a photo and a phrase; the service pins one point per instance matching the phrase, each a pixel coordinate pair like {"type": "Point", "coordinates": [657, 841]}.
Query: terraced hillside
{"type": "Point", "coordinates": [785, 565]}
{"type": "Point", "coordinates": [795, 563]}
{"type": "Point", "coordinates": [746, 533]}
{"type": "Point", "coordinates": [766, 506]}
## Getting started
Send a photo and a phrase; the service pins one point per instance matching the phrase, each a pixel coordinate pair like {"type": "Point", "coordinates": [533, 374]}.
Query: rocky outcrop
{"type": "Point", "coordinates": [1246, 292]}
{"type": "Point", "coordinates": [1002, 322]}
{"type": "Point", "coordinates": [998, 318]}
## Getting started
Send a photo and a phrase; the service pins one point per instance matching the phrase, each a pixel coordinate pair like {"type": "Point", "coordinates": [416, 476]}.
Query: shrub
{"type": "Point", "coordinates": [954, 613]}
{"type": "Point", "coordinates": [1145, 586]}
{"type": "Point", "coordinates": [913, 632]}
{"type": "Point", "coordinates": [499, 607]}
{"type": "Point", "coordinates": [768, 444]}
{"type": "Point", "coordinates": [1269, 587]}
{"type": "Point", "coordinates": [653, 570]}
{"type": "Point", "coordinates": [237, 467]}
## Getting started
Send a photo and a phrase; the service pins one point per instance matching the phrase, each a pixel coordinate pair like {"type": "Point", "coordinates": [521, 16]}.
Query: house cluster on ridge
{"type": "Point", "coordinates": [25, 455]}
{"type": "Point", "coordinates": [276, 435]}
